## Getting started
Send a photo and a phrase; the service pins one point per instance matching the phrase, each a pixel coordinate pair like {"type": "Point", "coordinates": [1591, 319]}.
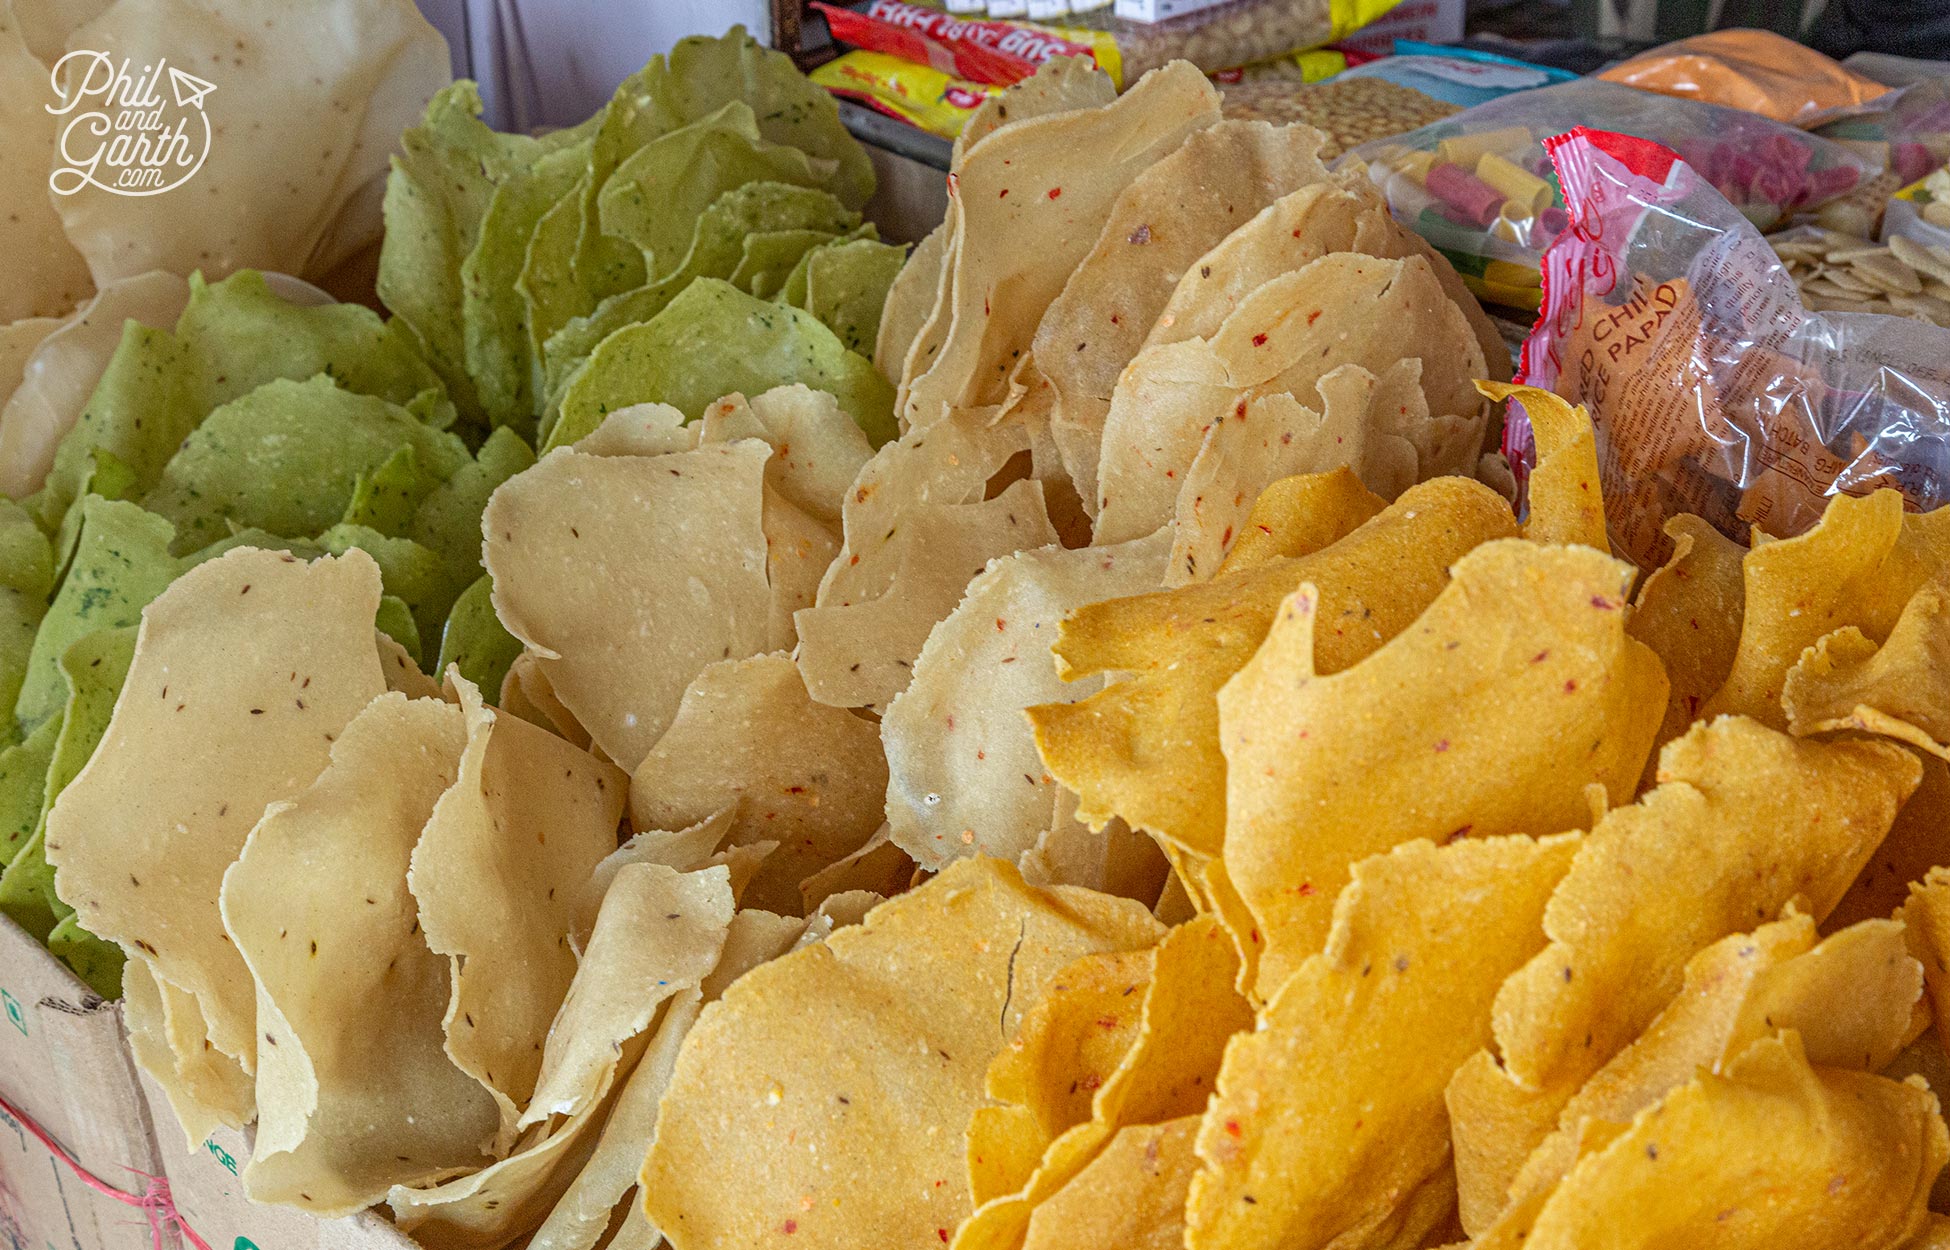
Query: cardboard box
{"type": "Point", "coordinates": [1431, 21]}
{"type": "Point", "coordinates": [205, 1181]}
{"type": "Point", "coordinates": [65, 1063]}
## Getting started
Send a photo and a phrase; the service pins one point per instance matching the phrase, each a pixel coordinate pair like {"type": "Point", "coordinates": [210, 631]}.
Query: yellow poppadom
{"type": "Point", "coordinates": [1068, 1046]}
{"type": "Point", "coordinates": [810, 1101]}
{"type": "Point", "coordinates": [1130, 1197]}
{"type": "Point", "coordinates": [1917, 842]}
{"type": "Point", "coordinates": [1689, 611]}
{"type": "Point", "coordinates": [1900, 689]}
{"type": "Point", "coordinates": [1297, 516]}
{"type": "Point", "coordinates": [1491, 713]}
{"type": "Point", "coordinates": [1850, 998]}
{"type": "Point", "coordinates": [1774, 1153]}
{"type": "Point", "coordinates": [1147, 748]}
{"type": "Point", "coordinates": [1743, 821]}
{"type": "Point", "coordinates": [1566, 503]}
{"type": "Point", "coordinates": [1927, 915]}
{"type": "Point", "coordinates": [1163, 1070]}
{"type": "Point", "coordinates": [1859, 567]}
{"type": "Point", "coordinates": [1331, 1111]}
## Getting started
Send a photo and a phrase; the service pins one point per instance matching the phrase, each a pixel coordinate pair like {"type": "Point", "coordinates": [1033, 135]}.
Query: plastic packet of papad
{"type": "Point", "coordinates": [1713, 391]}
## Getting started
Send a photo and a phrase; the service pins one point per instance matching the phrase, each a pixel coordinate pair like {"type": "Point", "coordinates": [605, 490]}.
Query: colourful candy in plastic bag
{"type": "Point", "coordinates": [1712, 390]}
{"type": "Point", "coordinates": [1479, 187]}
{"type": "Point", "coordinates": [1907, 130]}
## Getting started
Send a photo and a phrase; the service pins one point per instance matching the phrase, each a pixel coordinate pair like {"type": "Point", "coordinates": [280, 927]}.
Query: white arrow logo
{"type": "Point", "coordinates": [189, 89]}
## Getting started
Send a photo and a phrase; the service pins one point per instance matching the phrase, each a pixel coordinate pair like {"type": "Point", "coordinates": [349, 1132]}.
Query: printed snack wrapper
{"type": "Point", "coordinates": [1712, 389]}
{"type": "Point", "coordinates": [1215, 37]}
{"type": "Point", "coordinates": [932, 69]}
{"type": "Point", "coordinates": [992, 52]}
{"type": "Point", "coordinates": [917, 94]}
{"type": "Point", "coordinates": [1480, 188]}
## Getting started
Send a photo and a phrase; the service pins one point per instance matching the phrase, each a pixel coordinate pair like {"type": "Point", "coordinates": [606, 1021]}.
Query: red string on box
{"type": "Point", "coordinates": [154, 1200]}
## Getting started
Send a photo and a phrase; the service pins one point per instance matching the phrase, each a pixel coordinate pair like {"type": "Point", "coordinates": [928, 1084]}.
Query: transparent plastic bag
{"type": "Point", "coordinates": [1712, 390]}
{"type": "Point", "coordinates": [1755, 70]}
{"type": "Point", "coordinates": [1479, 187]}
{"type": "Point", "coordinates": [1907, 131]}
{"type": "Point", "coordinates": [1921, 212]}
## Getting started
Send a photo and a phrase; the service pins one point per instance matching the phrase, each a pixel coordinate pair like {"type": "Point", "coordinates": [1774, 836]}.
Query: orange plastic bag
{"type": "Point", "coordinates": [1755, 70]}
